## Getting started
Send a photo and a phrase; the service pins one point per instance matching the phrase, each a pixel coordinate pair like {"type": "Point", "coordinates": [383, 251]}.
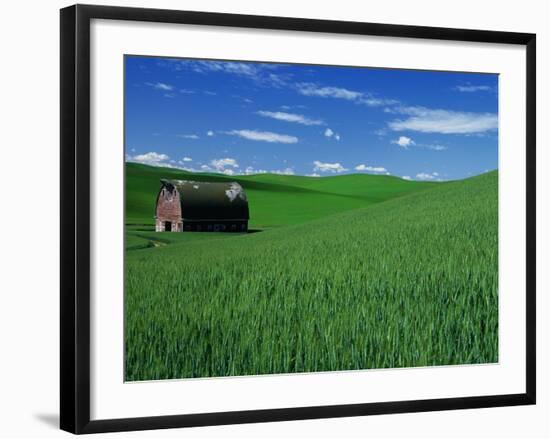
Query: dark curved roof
{"type": "Point", "coordinates": [201, 200]}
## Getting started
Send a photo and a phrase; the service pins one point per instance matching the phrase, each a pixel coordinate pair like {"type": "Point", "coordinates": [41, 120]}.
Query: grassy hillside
{"type": "Point", "coordinates": [411, 281]}
{"type": "Point", "coordinates": [274, 200]}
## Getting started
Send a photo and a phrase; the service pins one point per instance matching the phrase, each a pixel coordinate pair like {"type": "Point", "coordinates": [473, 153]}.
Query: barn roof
{"type": "Point", "coordinates": [210, 200]}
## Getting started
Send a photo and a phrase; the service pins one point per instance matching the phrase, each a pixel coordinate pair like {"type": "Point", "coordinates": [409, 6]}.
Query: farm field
{"type": "Point", "coordinates": [275, 200]}
{"type": "Point", "coordinates": [348, 272]}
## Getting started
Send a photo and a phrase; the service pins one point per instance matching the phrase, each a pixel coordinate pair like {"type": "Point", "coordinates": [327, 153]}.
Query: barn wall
{"type": "Point", "coordinates": [168, 209]}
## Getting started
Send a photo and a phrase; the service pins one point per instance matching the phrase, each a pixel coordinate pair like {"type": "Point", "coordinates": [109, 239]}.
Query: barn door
{"type": "Point", "coordinates": [168, 226]}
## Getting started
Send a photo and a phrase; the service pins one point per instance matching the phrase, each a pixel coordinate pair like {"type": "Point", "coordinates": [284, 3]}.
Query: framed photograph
{"type": "Point", "coordinates": [268, 218]}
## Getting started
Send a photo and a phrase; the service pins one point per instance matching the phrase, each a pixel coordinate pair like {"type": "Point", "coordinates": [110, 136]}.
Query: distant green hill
{"type": "Point", "coordinates": [412, 281]}
{"type": "Point", "coordinates": [274, 200]}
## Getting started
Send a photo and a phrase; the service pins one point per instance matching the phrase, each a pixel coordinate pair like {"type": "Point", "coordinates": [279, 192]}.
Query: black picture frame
{"type": "Point", "coordinates": [75, 217]}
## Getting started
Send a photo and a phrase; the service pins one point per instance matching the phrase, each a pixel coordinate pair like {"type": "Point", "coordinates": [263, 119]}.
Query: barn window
{"type": "Point", "coordinates": [168, 226]}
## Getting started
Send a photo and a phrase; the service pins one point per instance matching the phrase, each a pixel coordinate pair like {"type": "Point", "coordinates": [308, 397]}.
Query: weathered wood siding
{"type": "Point", "coordinates": [168, 209]}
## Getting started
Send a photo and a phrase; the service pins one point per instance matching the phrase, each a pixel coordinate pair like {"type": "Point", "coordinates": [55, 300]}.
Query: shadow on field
{"type": "Point", "coordinates": [254, 230]}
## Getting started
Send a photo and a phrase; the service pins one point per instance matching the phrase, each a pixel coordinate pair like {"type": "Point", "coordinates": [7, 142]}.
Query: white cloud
{"type": "Point", "coordinates": [469, 88]}
{"type": "Point", "coordinates": [427, 176]}
{"type": "Point", "coordinates": [290, 117]}
{"type": "Point", "coordinates": [187, 159]}
{"type": "Point", "coordinates": [404, 142]}
{"type": "Point", "coordinates": [259, 72]}
{"type": "Point", "coordinates": [376, 169]}
{"type": "Point", "coordinates": [249, 170]}
{"type": "Point", "coordinates": [290, 107]}
{"type": "Point", "coordinates": [188, 136]}
{"type": "Point", "coordinates": [427, 120]}
{"type": "Point", "coordinates": [237, 68]}
{"type": "Point", "coordinates": [263, 136]}
{"type": "Point", "coordinates": [424, 176]}
{"type": "Point", "coordinates": [406, 177]}
{"type": "Point", "coordinates": [377, 102]}
{"type": "Point", "coordinates": [312, 89]}
{"type": "Point", "coordinates": [434, 147]}
{"type": "Point", "coordinates": [331, 134]}
{"type": "Point", "coordinates": [243, 99]}
{"type": "Point", "coordinates": [313, 175]}
{"type": "Point", "coordinates": [150, 158]}
{"type": "Point", "coordinates": [210, 133]}
{"type": "Point", "coordinates": [223, 165]}
{"type": "Point", "coordinates": [328, 167]}
{"type": "Point", "coordinates": [286, 171]}
{"type": "Point", "coordinates": [277, 80]}
{"type": "Point", "coordinates": [160, 86]}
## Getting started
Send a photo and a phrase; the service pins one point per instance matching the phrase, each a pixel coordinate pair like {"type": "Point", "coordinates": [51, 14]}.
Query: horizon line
{"type": "Point", "coordinates": [219, 174]}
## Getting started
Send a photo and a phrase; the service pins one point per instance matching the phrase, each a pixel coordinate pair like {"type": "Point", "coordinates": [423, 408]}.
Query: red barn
{"type": "Point", "coordinates": [201, 206]}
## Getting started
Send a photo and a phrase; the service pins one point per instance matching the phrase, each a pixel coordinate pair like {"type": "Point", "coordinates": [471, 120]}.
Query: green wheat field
{"type": "Point", "coordinates": [346, 272]}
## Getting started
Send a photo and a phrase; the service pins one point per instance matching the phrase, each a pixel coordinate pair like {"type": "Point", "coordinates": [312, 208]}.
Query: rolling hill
{"type": "Point", "coordinates": [387, 275]}
{"type": "Point", "coordinates": [275, 200]}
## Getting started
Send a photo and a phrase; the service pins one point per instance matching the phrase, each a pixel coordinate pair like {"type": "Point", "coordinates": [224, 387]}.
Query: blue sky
{"type": "Point", "coordinates": [238, 117]}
